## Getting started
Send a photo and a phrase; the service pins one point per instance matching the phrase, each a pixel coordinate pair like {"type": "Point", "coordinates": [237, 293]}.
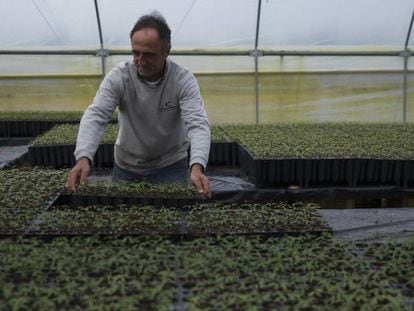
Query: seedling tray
{"type": "Point", "coordinates": [324, 172]}
{"type": "Point", "coordinates": [31, 128]}
{"type": "Point", "coordinates": [58, 156]}
{"type": "Point", "coordinates": [74, 200]}
{"type": "Point", "coordinates": [177, 228]}
{"type": "Point", "coordinates": [27, 128]}
{"type": "Point", "coordinates": [263, 172]}
{"type": "Point", "coordinates": [224, 154]}
{"type": "Point", "coordinates": [15, 141]}
{"type": "Point", "coordinates": [57, 218]}
{"type": "Point", "coordinates": [248, 196]}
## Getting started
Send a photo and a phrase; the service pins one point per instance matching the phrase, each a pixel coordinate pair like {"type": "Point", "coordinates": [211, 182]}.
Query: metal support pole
{"type": "Point", "coordinates": [405, 97]}
{"type": "Point", "coordinates": [102, 53]}
{"type": "Point", "coordinates": [256, 61]}
{"type": "Point", "coordinates": [406, 54]}
{"type": "Point", "coordinates": [280, 53]}
{"type": "Point", "coordinates": [257, 86]}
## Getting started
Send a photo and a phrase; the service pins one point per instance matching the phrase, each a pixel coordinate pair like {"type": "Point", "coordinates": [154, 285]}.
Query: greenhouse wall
{"type": "Point", "coordinates": [342, 62]}
{"type": "Point", "coordinates": [359, 95]}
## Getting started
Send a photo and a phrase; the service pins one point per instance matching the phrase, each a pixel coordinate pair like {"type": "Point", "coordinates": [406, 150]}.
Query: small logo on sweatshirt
{"type": "Point", "coordinates": [168, 104]}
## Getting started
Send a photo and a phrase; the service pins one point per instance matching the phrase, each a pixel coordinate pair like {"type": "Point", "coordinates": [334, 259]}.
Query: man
{"type": "Point", "coordinates": [160, 112]}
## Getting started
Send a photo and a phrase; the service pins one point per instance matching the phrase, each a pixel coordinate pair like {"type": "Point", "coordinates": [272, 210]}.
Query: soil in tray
{"type": "Point", "coordinates": [16, 221]}
{"type": "Point", "coordinates": [84, 200]}
{"type": "Point", "coordinates": [291, 272]}
{"type": "Point", "coordinates": [275, 222]}
{"type": "Point", "coordinates": [243, 218]}
{"type": "Point", "coordinates": [108, 188]}
{"type": "Point", "coordinates": [108, 193]}
{"type": "Point", "coordinates": [205, 219]}
{"type": "Point", "coordinates": [65, 220]}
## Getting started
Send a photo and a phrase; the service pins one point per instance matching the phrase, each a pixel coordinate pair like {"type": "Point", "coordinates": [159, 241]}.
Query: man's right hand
{"type": "Point", "coordinates": [78, 174]}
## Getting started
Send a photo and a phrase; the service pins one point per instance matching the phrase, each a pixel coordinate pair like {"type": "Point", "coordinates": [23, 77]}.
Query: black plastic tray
{"type": "Point", "coordinates": [326, 172]}
{"type": "Point", "coordinates": [264, 172]}
{"type": "Point", "coordinates": [247, 196]}
{"type": "Point", "coordinates": [31, 128]}
{"type": "Point", "coordinates": [179, 230]}
{"type": "Point", "coordinates": [224, 154]}
{"type": "Point", "coordinates": [27, 128]}
{"type": "Point", "coordinates": [58, 156]}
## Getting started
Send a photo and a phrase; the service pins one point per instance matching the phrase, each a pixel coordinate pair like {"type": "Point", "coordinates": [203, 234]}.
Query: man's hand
{"type": "Point", "coordinates": [78, 174]}
{"type": "Point", "coordinates": [199, 180]}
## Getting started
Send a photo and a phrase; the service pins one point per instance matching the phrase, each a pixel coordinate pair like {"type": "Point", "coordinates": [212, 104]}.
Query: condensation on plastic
{"type": "Point", "coordinates": [209, 24]}
{"type": "Point", "coordinates": [229, 183]}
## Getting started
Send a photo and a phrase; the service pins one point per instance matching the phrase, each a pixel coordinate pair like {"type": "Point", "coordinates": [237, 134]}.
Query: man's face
{"type": "Point", "coordinates": [149, 53]}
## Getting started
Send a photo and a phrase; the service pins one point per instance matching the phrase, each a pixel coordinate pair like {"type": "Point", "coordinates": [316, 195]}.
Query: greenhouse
{"type": "Point", "coordinates": [308, 107]}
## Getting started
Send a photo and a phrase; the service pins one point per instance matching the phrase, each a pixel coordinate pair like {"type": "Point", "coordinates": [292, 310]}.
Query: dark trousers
{"type": "Point", "coordinates": [174, 173]}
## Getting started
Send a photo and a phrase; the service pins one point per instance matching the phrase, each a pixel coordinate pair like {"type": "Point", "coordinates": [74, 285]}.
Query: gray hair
{"type": "Point", "coordinates": [156, 21]}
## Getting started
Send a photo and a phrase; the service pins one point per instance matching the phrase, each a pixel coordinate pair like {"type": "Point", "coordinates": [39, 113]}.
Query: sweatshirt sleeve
{"type": "Point", "coordinates": [97, 116]}
{"type": "Point", "coordinates": [196, 121]}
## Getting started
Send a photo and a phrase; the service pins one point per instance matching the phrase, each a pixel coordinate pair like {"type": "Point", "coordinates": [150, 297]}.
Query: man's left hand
{"type": "Point", "coordinates": [199, 180]}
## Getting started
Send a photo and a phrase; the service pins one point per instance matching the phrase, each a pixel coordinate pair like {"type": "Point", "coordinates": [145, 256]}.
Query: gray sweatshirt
{"type": "Point", "coordinates": [157, 123]}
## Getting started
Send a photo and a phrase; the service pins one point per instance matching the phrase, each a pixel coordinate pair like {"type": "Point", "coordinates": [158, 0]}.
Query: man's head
{"type": "Point", "coordinates": [151, 44]}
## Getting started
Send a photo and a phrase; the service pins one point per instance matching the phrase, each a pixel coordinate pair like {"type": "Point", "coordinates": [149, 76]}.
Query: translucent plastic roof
{"type": "Point", "coordinates": [209, 24]}
{"type": "Point", "coordinates": [333, 23]}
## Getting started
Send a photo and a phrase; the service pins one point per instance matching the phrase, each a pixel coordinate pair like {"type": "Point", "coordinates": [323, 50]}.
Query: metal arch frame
{"type": "Point", "coordinates": [406, 53]}
{"type": "Point", "coordinates": [102, 52]}
{"type": "Point", "coordinates": [256, 55]}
